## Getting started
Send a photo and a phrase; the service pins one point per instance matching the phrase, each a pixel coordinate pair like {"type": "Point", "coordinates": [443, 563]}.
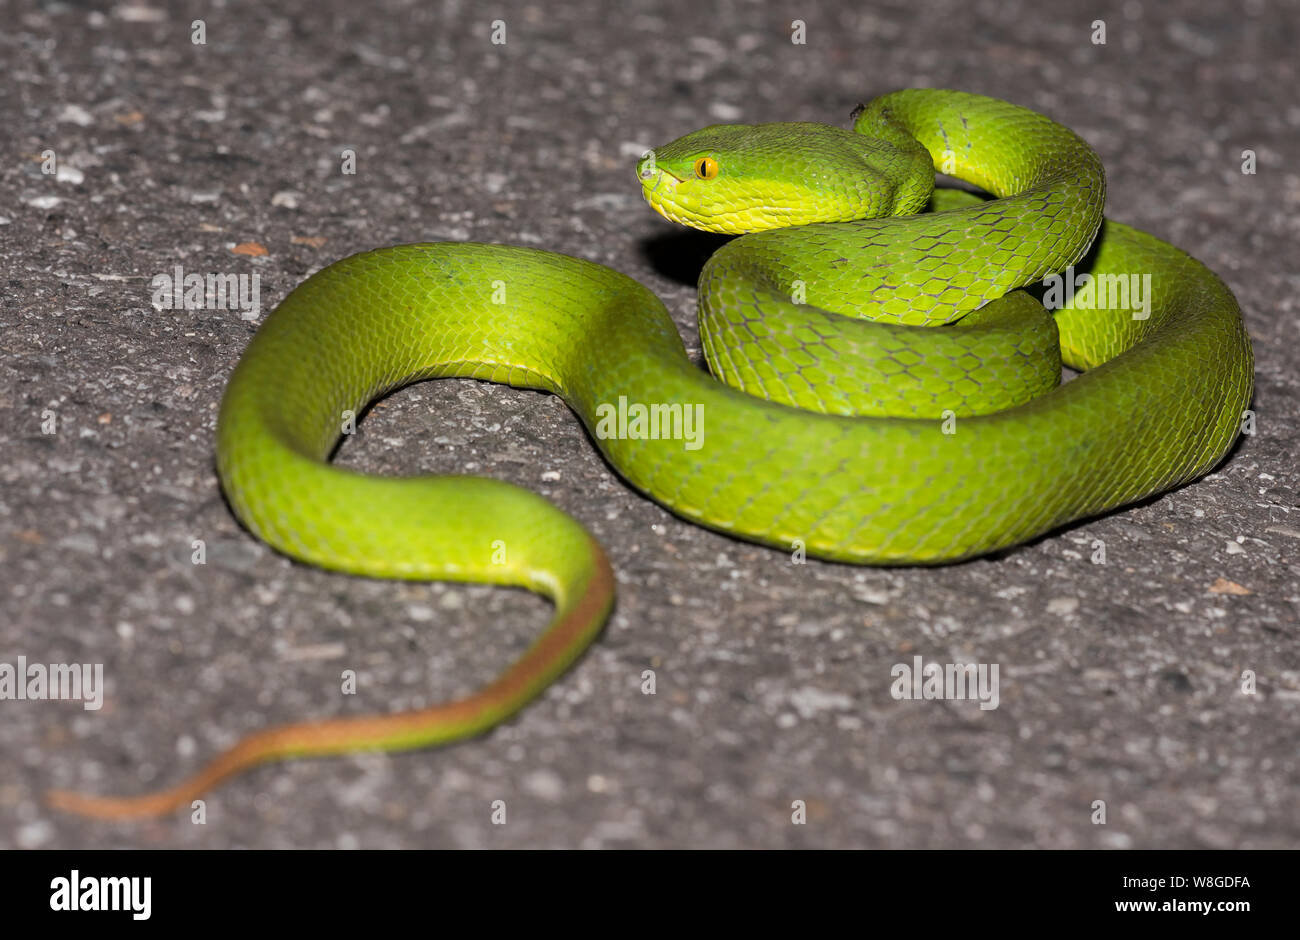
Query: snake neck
{"type": "Point", "coordinates": [1006, 150]}
{"type": "Point", "coordinates": [916, 180]}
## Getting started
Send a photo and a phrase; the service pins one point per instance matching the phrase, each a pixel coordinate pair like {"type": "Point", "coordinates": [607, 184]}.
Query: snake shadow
{"type": "Point", "coordinates": [680, 253]}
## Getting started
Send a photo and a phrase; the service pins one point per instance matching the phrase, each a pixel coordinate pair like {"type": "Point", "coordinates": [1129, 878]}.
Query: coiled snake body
{"type": "Point", "coordinates": [929, 423]}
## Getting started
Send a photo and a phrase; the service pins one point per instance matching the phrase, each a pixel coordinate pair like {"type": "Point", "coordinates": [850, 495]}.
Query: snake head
{"type": "Point", "coordinates": [736, 178]}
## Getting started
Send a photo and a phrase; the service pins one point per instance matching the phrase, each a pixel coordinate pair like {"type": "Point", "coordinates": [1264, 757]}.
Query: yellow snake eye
{"type": "Point", "coordinates": [706, 168]}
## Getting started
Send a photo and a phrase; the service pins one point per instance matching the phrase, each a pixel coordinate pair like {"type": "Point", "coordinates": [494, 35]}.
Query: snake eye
{"type": "Point", "coordinates": [706, 168]}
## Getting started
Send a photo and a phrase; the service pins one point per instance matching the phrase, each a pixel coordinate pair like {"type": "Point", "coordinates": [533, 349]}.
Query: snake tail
{"type": "Point", "coordinates": [581, 611]}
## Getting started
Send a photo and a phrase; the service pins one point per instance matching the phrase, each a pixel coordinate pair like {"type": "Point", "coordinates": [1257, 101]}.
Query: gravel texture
{"type": "Point", "coordinates": [1120, 682]}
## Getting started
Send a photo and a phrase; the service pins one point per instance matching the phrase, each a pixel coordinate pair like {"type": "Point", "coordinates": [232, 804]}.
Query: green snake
{"type": "Point", "coordinates": [886, 394]}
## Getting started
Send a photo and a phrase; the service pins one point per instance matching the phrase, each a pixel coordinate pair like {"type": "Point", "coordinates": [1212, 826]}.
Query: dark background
{"type": "Point", "coordinates": [1119, 682]}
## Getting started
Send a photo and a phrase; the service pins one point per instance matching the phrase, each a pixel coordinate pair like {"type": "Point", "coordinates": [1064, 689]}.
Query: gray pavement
{"type": "Point", "coordinates": [1120, 682]}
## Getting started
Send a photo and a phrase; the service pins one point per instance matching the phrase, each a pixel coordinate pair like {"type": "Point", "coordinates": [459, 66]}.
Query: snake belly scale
{"type": "Point", "coordinates": [887, 395]}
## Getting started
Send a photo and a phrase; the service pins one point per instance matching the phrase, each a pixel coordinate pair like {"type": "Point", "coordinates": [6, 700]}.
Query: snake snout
{"type": "Point", "coordinates": [652, 177]}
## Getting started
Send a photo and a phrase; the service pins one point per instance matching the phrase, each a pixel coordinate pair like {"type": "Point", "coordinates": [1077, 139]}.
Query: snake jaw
{"type": "Point", "coordinates": [659, 187]}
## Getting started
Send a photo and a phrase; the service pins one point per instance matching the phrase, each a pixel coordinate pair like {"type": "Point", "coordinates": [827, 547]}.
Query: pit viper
{"type": "Point", "coordinates": [882, 392]}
